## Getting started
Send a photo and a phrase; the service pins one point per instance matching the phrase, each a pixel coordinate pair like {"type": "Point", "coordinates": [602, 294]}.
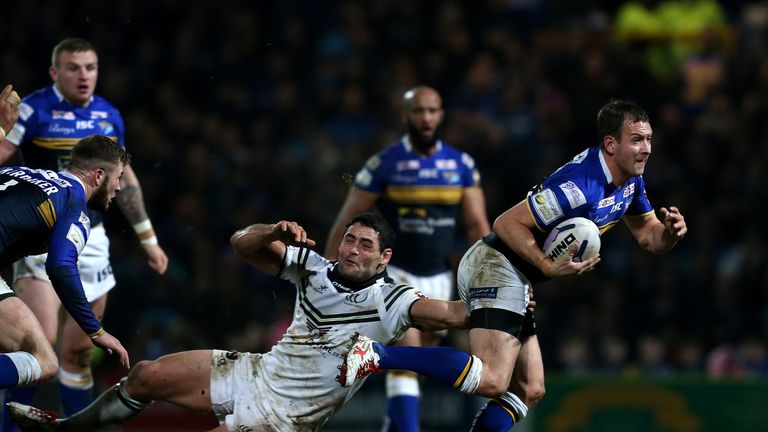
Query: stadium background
{"type": "Point", "coordinates": [242, 112]}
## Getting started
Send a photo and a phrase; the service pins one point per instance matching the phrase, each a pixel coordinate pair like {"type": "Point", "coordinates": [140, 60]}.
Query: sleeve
{"type": "Point", "coordinates": [25, 125]}
{"type": "Point", "coordinates": [640, 204]}
{"type": "Point", "coordinates": [298, 261]}
{"type": "Point", "coordinates": [372, 176]}
{"type": "Point", "coordinates": [557, 199]}
{"type": "Point", "coordinates": [395, 306]}
{"type": "Point", "coordinates": [470, 175]}
{"type": "Point", "coordinates": [67, 241]}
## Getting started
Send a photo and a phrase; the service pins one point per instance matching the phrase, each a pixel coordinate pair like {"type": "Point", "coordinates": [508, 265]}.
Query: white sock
{"type": "Point", "coordinates": [75, 380]}
{"type": "Point", "coordinates": [511, 401]}
{"type": "Point", "coordinates": [402, 384]}
{"type": "Point", "coordinates": [472, 379]}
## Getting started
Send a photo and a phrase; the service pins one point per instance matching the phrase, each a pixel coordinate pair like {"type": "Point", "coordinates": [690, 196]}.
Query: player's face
{"type": "Point", "coordinates": [109, 188]}
{"type": "Point", "coordinates": [359, 255]}
{"type": "Point", "coordinates": [75, 76]}
{"type": "Point", "coordinates": [633, 148]}
{"type": "Point", "coordinates": [424, 112]}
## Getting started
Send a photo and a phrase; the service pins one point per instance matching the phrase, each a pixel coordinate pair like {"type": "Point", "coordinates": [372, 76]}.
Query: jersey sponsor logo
{"type": "Point", "coordinates": [106, 127]}
{"type": "Point", "coordinates": [483, 292]}
{"type": "Point", "coordinates": [406, 165]}
{"type": "Point", "coordinates": [62, 115]}
{"type": "Point", "coordinates": [446, 164]}
{"type": "Point", "coordinates": [17, 133]}
{"type": "Point", "coordinates": [104, 273]}
{"type": "Point", "coordinates": [546, 206]}
{"type": "Point", "coordinates": [77, 238]}
{"type": "Point", "coordinates": [56, 128]}
{"type": "Point", "coordinates": [606, 202]}
{"type": "Point", "coordinates": [429, 173]}
{"type": "Point", "coordinates": [25, 111]}
{"type": "Point", "coordinates": [84, 124]}
{"type": "Point", "coordinates": [99, 114]}
{"type": "Point", "coordinates": [629, 190]}
{"type": "Point", "coordinates": [574, 195]}
{"type": "Point", "coordinates": [363, 178]}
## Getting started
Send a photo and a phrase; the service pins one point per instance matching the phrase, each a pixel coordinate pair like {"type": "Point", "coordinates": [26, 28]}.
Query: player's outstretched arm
{"type": "Point", "coordinates": [131, 203]}
{"type": "Point", "coordinates": [431, 315]}
{"type": "Point", "coordinates": [263, 245]}
{"type": "Point", "coordinates": [658, 236]}
{"type": "Point", "coordinates": [9, 113]}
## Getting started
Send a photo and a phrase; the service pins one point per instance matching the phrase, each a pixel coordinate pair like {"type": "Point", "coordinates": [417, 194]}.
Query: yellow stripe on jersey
{"type": "Point", "coordinates": [48, 212]}
{"type": "Point", "coordinates": [55, 143]}
{"type": "Point", "coordinates": [425, 194]}
{"type": "Point", "coordinates": [607, 226]}
{"type": "Point", "coordinates": [463, 373]}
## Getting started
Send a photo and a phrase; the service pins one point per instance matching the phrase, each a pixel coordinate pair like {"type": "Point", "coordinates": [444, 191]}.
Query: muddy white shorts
{"type": "Point", "coordinates": [93, 265]}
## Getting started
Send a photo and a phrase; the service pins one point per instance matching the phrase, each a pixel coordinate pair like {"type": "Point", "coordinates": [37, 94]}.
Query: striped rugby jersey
{"type": "Point", "coordinates": [49, 126]}
{"type": "Point", "coordinates": [328, 312]}
{"type": "Point", "coordinates": [419, 196]}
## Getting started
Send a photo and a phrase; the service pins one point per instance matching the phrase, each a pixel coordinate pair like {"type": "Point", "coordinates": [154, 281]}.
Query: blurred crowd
{"type": "Point", "coordinates": [241, 112]}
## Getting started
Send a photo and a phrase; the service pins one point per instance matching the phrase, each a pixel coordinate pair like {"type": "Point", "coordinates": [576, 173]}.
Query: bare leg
{"type": "Point", "coordinates": [22, 333]}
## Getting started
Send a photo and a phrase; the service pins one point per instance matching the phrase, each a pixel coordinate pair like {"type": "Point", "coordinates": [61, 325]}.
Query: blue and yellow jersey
{"type": "Point", "coordinates": [582, 187]}
{"type": "Point", "coordinates": [49, 126]}
{"type": "Point", "coordinates": [420, 197]}
{"type": "Point", "coordinates": [43, 211]}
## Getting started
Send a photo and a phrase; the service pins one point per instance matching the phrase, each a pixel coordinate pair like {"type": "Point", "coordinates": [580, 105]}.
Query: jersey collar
{"type": "Point", "coordinates": [343, 284]}
{"type": "Point", "coordinates": [406, 140]}
{"type": "Point", "coordinates": [60, 97]}
{"type": "Point", "coordinates": [71, 176]}
{"type": "Point", "coordinates": [606, 171]}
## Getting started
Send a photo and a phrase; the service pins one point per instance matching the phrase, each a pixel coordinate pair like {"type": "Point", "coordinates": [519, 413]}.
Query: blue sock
{"type": "Point", "coordinates": [9, 376]}
{"type": "Point", "coordinates": [444, 364]}
{"type": "Point", "coordinates": [493, 418]}
{"type": "Point", "coordinates": [23, 395]}
{"type": "Point", "coordinates": [403, 414]}
{"type": "Point", "coordinates": [74, 399]}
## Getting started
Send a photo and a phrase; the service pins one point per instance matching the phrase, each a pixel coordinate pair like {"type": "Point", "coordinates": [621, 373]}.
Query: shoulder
{"type": "Point", "coordinates": [101, 103]}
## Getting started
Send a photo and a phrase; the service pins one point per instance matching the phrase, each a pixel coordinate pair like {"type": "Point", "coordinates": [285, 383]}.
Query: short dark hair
{"type": "Point", "coordinates": [95, 150]}
{"type": "Point", "coordinates": [611, 116]}
{"type": "Point", "coordinates": [70, 45]}
{"type": "Point", "coordinates": [376, 222]}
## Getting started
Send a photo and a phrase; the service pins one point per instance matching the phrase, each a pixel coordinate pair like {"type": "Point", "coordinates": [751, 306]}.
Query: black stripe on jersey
{"type": "Point", "coordinates": [395, 294]}
{"type": "Point", "coordinates": [320, 318]}
{"type": "Point", "coordinates": [303, 257]}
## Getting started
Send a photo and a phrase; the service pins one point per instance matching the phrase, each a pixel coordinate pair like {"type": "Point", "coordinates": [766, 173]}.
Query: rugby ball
{"type": "Point", "coordinates": [575, 230]}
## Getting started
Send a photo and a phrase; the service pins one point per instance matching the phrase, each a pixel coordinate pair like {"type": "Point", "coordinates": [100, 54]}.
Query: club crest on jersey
{"type": "Point", "coordinates": [106, 127]}
{"type": "Point", "coordinates": [358, 297]}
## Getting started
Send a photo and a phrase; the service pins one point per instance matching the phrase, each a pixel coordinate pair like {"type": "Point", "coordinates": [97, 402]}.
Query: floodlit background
{"type": "Point", "coordinates": [243, 112]}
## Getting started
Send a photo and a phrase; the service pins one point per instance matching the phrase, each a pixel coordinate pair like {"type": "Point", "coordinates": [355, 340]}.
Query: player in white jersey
{"type": "Point", "coordinates": [292, 387]}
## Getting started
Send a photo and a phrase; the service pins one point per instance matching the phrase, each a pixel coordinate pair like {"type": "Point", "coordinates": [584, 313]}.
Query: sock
{"type": "Point", "coordinates": [76, 391]}
{"type": "Point", "coordinates": [499, 415]}
{"type": "Point", "coordinates": [402, 402]}
{"type": "Point", "coordinates": [448, 365]}
{"type": "Point", "coordinates": [23, 395]}
{"type": "Point", "coordinates": [9, 376]}
{"type": "Point", "coordinates": [22, 365]}
{"type": "Point", "coordinates": [114, 406]}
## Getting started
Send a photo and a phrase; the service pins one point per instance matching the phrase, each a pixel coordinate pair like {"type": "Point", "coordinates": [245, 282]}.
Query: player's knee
{"type": "Point", "coordinates": [49, 367]}
{"type": "Point", "coordinates": [77, 358]}
{"type": "Point", "coordinates": [492, 385]}
{"type": "Point", "coordinates": [144, 375]}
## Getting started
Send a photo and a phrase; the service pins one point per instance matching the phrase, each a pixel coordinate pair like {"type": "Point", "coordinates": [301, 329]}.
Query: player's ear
{"type": "Point", "coordinates": [609, 142]}
{"type": "Point", "coordinates": [386, 256]}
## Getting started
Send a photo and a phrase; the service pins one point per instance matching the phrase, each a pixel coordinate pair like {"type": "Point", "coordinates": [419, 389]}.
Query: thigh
{"type": "Point", "coordinates": [41, 298]}
{"type": "Point", "coordinates": [182, 378]}
{"type": "Point", "coordinates": [21, 330]}
{"type": "Point", "coordinates": [499, 352]}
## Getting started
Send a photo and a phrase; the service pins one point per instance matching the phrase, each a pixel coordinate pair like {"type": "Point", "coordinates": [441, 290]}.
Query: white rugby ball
{"type": "Point", "coordinates": [574, 230]}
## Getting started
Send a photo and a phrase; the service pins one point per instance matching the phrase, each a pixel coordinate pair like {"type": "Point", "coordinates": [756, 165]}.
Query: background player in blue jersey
{"type": "Point", "coordinates": [292, 387]}
{"type": "Point", "coordinates": [51, 121]}
{"type": "Point", "coordinates": [41, 210]}
{"type": "Point", "coordinates": [422, 186]}
{"type": "Point", "coordinates": [604, 184]}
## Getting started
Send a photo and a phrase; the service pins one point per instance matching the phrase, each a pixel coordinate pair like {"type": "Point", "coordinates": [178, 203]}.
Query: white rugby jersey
{"type": "Point", "coordinates": [302, 367]}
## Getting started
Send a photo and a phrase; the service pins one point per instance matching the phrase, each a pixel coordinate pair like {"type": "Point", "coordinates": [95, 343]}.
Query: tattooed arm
{"type": "Point", "coordinates": [131, 202]}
